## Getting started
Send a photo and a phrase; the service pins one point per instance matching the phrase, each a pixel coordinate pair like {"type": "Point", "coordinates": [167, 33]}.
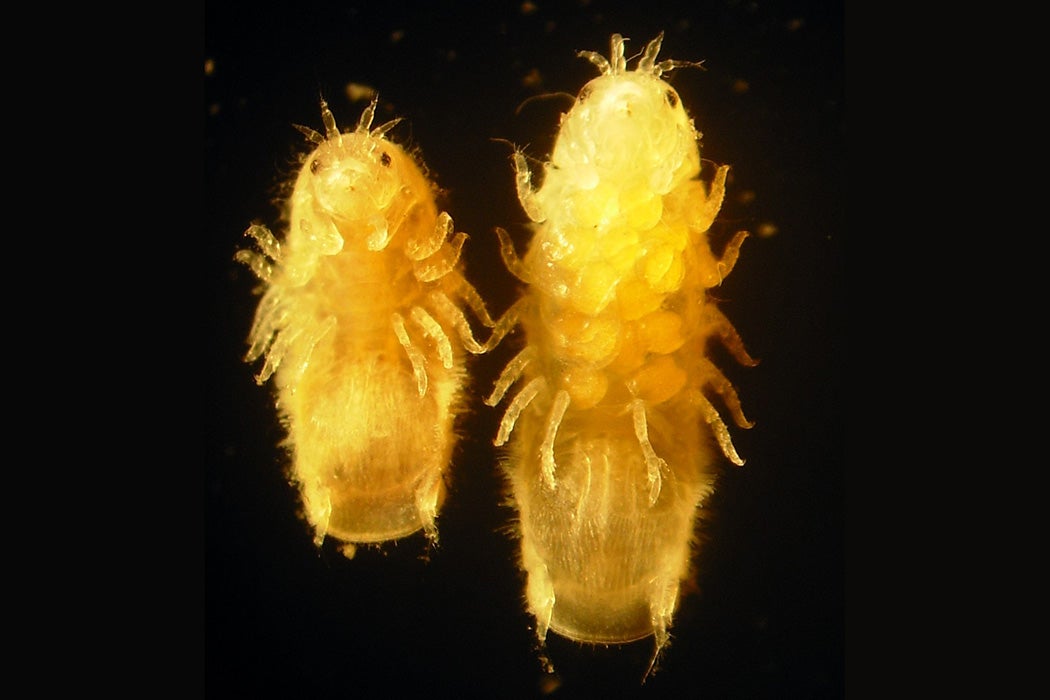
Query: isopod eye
{"type": "Point", "coordinates": [672, 98]}
{"type": "Point", "coordinates": [315, 165]}
{"type": "Point", "coordinates": [584, 93]}
{"type": "Point", "coordinates": [385, 159]}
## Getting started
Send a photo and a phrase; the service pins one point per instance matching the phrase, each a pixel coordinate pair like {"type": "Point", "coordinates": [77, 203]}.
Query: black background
{"type": "Point", "coordinates": [765, 618]}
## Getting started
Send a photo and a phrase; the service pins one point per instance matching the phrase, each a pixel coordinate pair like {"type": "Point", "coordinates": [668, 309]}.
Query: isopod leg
{"type": "Point", "coordinates": [724, 388]}
{"type": "Point", "coordinates": [510, 256]}
{"type": "Point", "coordinates": [468, 293]}
{"type": "Point", "coordinates": [730, 255]}
{"type": "Point", "coordinates": [718, 426]}
{"type": "Point", "coordinates": [500, 328]}
{"type": "Point", "coordinates": [505, 324]}
{"type": "Point", "coordinates": [557, 412]}
{"type": "Point", "coordinates": [433, 329]}
{"type": "Point", "coordinates": [311, 335]}
{"type": "Point", "coordinates": [517, 405]}
{"type": "Point", "coordinates": [709, 208]}
{"type": "Point", "coordinates": [445, 264]}
{"type": "Point", "coordinates": [431, 243]}
{"type": "Point", "coordinates": [270, 317]}
{"type": "Point", "coordinates": [379, 233]}
{"type": "Point", "coordinates": [419, 363]}
{"type": "Point", "coordinates": [282, 340]}
{"type": "Point", "coordinates": [259, 264]}
{"type": "Point", "coordinates": [269, 244]}
{"type": "Point", "coordinates": [510, 374]}
{"type": "Point", "coordinates": [728, 334]}
{"type": "Point", "coordinates": [653, 463]}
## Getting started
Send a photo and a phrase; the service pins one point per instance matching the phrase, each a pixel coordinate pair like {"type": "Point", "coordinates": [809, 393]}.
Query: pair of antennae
{"type": "Point", "coordinates": [364, 124]}
{"type": "Point", "coordinates": [647, 63]}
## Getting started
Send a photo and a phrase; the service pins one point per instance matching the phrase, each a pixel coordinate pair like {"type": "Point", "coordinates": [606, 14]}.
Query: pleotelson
{"type": "Point", "coordinates": [609, 456]}
{"type": "Point", "coordinates": [361, 327]}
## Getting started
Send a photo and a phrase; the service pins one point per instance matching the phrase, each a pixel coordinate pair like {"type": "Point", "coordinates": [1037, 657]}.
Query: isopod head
{"type": "Point", "coordinates": [355, 185]}
{"type": "Point", "coordinates": [353, 174]}
{"type": "Point", "coordinates": [628, 128]}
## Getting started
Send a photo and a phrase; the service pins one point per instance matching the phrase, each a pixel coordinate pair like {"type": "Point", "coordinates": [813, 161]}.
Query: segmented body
{"type": "Point", "coordinates": [361, 328]}
{"type": "Point", "coordinates": [608, 456]}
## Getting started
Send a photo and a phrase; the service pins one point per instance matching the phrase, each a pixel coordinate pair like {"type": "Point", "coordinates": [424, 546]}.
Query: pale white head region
{"type": "Point", "coordinates": [348, 184]}
{"type": "Point", "coordinates": [628, 128]}
{"type": "Point", "coordinates": [352, 175]}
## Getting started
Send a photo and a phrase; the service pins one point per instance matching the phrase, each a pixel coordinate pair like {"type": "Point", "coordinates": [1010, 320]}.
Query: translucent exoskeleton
{"type": "Point", "coordinates": [361, 326]}
{"type": "Point", "coordinates": [609, 455]}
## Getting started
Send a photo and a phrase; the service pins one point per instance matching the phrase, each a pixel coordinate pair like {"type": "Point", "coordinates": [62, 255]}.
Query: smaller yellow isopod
{"type": "Point", "coordinates": [360, 325]}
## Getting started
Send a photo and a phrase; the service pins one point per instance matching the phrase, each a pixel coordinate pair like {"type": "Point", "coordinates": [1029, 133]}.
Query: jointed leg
{"type": "Point", "coordinates": [713, 317]}
{"type": "Point", "coordinates": [445, 264]}
{"type": "Point", "coordinates": [558, 408]}
{"type": "Point", "coordinates": [433, 329]}
{"type": "Point", "coordinates": [653, 463]}
{"type": "Point", "coordinates": [510, 374]}
{"type": "Point", "coordinates": [419, 363]}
